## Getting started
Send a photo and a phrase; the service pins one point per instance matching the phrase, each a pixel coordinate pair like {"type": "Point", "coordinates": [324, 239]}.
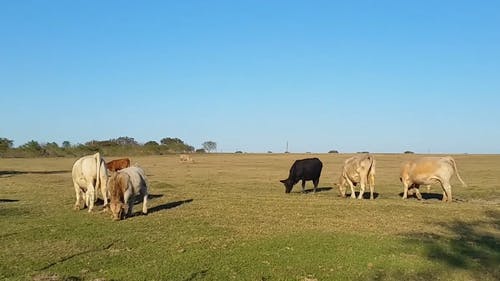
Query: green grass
{"type": "Point", "coordinates": [226, 217]}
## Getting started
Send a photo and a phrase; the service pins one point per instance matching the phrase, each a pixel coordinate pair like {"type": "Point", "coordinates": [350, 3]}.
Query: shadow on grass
{"type": "Point", "coordinates": [319, 189]}
{"type": "Point", "coordinates": [473, 247]}
{"type": "Point", "coordinates": [169, 205]}
{"type": "Point", "coordinates": [138, 198]}
{"type": "Point", "coordinates": [197, 275]}
{"type": "Point", "coordinates": [12, 173]}
{"type": "Point", "coordinates": [366, 195]}
{"type": "Point", "coordinates": [425, 196]}
{"type": "Point", "coordinates": [8, 200]}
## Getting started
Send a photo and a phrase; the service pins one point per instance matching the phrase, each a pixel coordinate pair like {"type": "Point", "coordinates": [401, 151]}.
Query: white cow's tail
{"type": "Point", "coordinates": [456, 171]}
{"type": "Point", "coordinates": [97, 158]}
{"type": "Point", "coordinates": [371, 171]}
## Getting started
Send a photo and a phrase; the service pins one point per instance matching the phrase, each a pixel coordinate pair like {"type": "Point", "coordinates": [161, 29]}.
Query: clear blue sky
{"type": "Point", "coordinates": [380, 76]}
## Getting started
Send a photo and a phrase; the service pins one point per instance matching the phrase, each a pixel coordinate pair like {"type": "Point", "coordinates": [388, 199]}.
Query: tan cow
{"type": "Point", "coordinates": [118, 164]}
{"type": "Point", "coordinates": [427, 171]}
{"type": "Point", "coordinates": [359, 169]}
{"type": "Point", "coordinates": [184, 158]}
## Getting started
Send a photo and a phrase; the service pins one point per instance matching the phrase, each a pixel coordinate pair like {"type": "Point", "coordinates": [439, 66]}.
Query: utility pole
{"type": "Point", "coordinates": [286, 151]}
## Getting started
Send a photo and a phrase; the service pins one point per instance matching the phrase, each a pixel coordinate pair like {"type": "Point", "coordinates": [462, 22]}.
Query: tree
{"type": "Point", "coordinates": [210, 146]}
{"type": "Point", "coordinates": [66, 144]}
{"type": "Point", "coordinates": [151, 143]}
{"type": "Point", "coordinates": [176, 145]}
{"type": "Point", "coordinates": [125, 141]}
{"type": "Point", "coordinates": [333, 151]}
{"type": "Point", "coordinates": [5, 144]}
{"type": "Point", "coordinates": [171, 141]}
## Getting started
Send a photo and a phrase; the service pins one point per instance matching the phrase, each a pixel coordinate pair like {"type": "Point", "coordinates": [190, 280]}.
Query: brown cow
{"type": "Point", "coordinates": [123, 187]}
{"type": "Point", "coordinates": [359, 169]}
{"type": "Point", "coordinates": [118, 164]}
{"type": "Point", "coordinates": [429, 170]}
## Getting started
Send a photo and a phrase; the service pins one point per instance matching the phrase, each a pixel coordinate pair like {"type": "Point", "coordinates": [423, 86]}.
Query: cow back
{"type": "Point", "coordinates": [306, 169]}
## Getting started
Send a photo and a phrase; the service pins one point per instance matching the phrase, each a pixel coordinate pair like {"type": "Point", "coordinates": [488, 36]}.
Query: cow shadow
{"type": "Point", "coordinates": [366, 195]}
{"type": "Point", "coordinates": [318, 189]}
{"type": "Point", "coordinates": [169, 205]}
{"type": "Point", "coordinates": [138, 198]}
{"type": "Point", "coordinates": [425, 196]}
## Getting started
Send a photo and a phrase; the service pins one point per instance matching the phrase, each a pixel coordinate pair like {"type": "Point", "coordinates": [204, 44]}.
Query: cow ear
{"type": "Point", "coordinates": [283, 181]}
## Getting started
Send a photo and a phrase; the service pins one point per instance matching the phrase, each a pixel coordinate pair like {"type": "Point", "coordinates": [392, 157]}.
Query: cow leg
{"type": "Point", "coordinates": [372, 188]}
{"type": "Point", "coordinates": [90, 197]}
{"type": "Point", "coordinates": [315, 182]}
{"type": "Point", "coordinates": [353, 193]}
{"type": "Point", "coordinates": [447, 191]}
{"type": "Point", "coordinates": [144, 202]}
{"type": "Point", "coordinates": [129, 203]}
{"type": "Point", "coordinates": [405, 190]}
{"type": "Point", "coordinates": [362, 186]}
{"type": "Point", "coordinates": [303, 186]}
{"type": "Point", "coordinates": [78, 194]}
{"type": "Point", "coordinates": [416, 187]}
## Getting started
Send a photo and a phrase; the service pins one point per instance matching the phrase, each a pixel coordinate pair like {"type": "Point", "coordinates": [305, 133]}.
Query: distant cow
{"type": "Point", "coordinates": [429, 170]}
{"type": "Point", "coordinates": [184, 158]}
{"type": "Point", "coordinates": [89, 174]}
{"type": "Point", "coordinates": [359, 169]}
{"type": "Point", "coordinates": [123, 186]}
{"type": "Point", "coordinates": [305, 170]}
{"type": "Point", "coordinates": [118, 164]}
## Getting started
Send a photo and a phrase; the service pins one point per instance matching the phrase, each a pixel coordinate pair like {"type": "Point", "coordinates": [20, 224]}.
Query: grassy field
{"type": "Point", "coordinates": [226, 217]}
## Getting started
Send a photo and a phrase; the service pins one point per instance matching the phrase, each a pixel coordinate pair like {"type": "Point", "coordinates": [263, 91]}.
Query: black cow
{"type": "Point", "coordinates": [305, 170]}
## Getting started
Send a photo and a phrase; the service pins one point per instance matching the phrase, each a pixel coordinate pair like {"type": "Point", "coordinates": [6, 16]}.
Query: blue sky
{"type": "Point", "coordinates": [378, 76]}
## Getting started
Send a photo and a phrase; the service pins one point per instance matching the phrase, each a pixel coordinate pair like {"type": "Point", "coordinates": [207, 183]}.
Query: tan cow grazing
{"type": "Point", "coordinates": [184, 158]}
{"type": "Point", "coordinates": [123, 186]}
{"type": "Point", "coordinates": [89, 174]}
{"type": "Point", "coordinates": [427, 171]}
{"type": "Point", "coordinates": [118, 164]}
{"type": "Point", "coordinates": [359, 169]}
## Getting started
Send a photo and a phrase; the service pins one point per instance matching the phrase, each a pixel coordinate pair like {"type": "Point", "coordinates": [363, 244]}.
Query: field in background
{"type": "Point", "coordinates": [226, 217]}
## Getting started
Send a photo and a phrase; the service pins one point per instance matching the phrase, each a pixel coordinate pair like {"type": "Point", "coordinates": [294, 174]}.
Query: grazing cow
{"type": "Point", "coordinates": [359, 169]}
{"type": "Point", "coordinates": [89, 174]}
{"type": "Point", "coordinates": [123, 186]}
{"type": "Point", "coordinates": [118, 164]}
{"type": "Point", "coordinates": [429, 170]}
{"type": "Point", "coordinates": [184, 158]}
{"type": "Point", "coordinates": [305, 170]}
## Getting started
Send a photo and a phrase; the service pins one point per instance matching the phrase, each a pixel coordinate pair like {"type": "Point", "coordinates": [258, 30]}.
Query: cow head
{"type": "Point", "coordinates": [341, 186]}
{"type": "Point", "coordinates": [117, 210]}
{"type": "Point", "coordinates": [288, 185]}
{"type": "Point", "coordinates": [116, 189]}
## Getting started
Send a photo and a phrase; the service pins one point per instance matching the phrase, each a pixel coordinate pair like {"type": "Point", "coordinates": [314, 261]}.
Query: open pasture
{"type": "Point", "coordinates": [227, 217]}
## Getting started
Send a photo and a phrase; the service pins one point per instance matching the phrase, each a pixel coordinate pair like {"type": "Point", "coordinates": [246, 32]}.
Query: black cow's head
{"type": "Point", "coordinates": [288, 185]}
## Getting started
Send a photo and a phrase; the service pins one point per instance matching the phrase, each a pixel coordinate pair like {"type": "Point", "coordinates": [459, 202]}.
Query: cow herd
{"type": "Point", "coordinates": [360, 170]}
{"type": "Point", "coordinates": [90, 173]}
{"type": "Point", "coordinates": [124, 182]}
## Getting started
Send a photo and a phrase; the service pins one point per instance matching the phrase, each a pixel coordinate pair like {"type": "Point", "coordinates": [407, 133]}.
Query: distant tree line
{"type": "Point", "coordinates": [112, 147]}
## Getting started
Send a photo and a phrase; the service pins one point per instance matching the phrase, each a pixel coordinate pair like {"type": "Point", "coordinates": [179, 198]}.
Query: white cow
{"type": "Point", "coordinates": [123, 186]}
{"type": "Point", "coordinates": [359, 169]}
{"type": "Point", "coordinates": [429, 170]}
{"type": "Point", "coordinates": [89, 174]}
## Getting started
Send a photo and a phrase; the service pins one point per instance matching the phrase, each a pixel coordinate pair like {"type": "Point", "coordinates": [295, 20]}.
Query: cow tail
{"type": "Point", "coordinates": [456, 171]}
{"type": "Point", "coordinates": [371, 172]}
{"type": "Point", "coordinates": [98, 170]}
